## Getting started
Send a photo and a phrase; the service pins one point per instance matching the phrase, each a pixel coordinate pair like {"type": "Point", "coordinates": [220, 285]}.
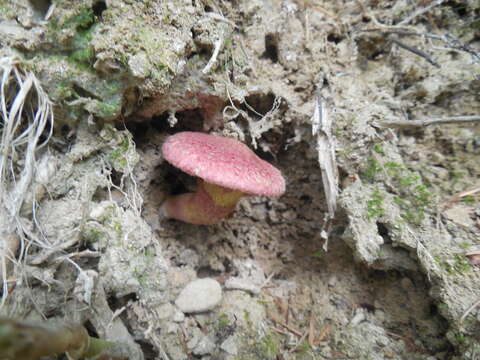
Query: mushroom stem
{"type": "Point", "coordinates": [208, 205]}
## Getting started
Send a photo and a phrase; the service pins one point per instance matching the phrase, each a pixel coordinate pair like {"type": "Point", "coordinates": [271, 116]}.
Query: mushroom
{"type": "Point", "coordinates": [226, 170]}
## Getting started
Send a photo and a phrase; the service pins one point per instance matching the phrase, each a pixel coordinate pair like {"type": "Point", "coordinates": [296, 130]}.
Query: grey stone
{"type": "Point", "coordinates": [230, 346]}
{"type": "Point", "coordinates": [178, 316]}
{"type": "Point", "coordinates": [165, 311]}
{"type": "Point", "coordinates": [199, 296]}
{"type": "Point", "coordinates": [196, 336]}
{"type": "Point", "coordinates": [205, 346]}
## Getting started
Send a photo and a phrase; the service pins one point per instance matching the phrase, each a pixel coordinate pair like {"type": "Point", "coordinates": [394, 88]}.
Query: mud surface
{"type": "Point", "coordinates": [393, 276]}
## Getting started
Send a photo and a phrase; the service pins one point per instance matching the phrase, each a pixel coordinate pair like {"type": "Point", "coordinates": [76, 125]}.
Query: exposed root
{"type": "Point", "coordinates": [26, 125]}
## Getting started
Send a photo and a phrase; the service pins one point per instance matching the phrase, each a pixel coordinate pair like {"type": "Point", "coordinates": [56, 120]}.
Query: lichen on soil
{"type": "Point", "coordinates": [394, 282]}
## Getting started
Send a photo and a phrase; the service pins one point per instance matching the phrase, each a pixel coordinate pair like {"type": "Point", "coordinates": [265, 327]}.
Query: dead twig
{"type": "Point", "coordinates": [308, 4]}
{"type": "Point", "coordinates": [280, 331]}
{"type": "Point", "coordinates": [299, 342]}
{"type": "Point", "coordinates": [311, 331]}
{"type": "Point", "coordinates": [420, 12]}
{"type": "Point", "coordinates": [450, 42]}
{"type": "Point", "coordinates": [469, 310]}
{"type": "Point", "coordinates": [427, 122]}
{"type": "Point", "coordinates": [276, 319]}
{"type": "Point", "coordinates": [446, 204]}
{"type": "Point", "coordinates": [415, 51]}
{"type": "Point", "coordinates": [323, 334]}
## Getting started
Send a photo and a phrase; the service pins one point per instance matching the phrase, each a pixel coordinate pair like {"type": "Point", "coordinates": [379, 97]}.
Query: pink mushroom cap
{"type": "Point", "coordinates": [223, 161]}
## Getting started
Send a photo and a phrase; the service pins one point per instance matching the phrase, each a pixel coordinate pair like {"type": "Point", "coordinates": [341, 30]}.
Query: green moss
{"type": "Point", "coordinates": [375, 205]}
{"type": "Point", "coordinates": [457, 175]}
{"type": "Point", "coordinates": [304, 348]}
{"type": "Point", "coordinates": [117, 226]}
{"type": "Point", "coordinates": [83, 52]}
{"type": "Point", "coordinates": [248, 320]}
{"type": "Point", "coordinates": [223, 321]}
{"type": "Point", "coordinates": [469, 200]}
{"type": "Point", "coordinates": [6, 12]}
{"type": "Point", "coordinates": [378, 148]}
{"type": "Point", "coordinates": [106, 110]}
{"type": "Point", "coordinates": [118, 156]}
{"type": "Point", "coordinates": [62, 91]}
{"type": "Point", "coordinates": [83, 19]}
{"type": "Point", "coordinates": [93, 235]}
{"type": "Point", "coordinates": [413, 196]}
{"type": "Point", "coordinates": [371, 169]}
{"type": "Point", "coordinates": [269, 346]}
{"type": "Point", "coordinates": [458, 264]}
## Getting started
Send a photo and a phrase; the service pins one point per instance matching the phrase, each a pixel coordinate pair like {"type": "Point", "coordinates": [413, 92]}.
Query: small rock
{"type": "Point", "coordinates": [199, 296]}
{"type": "Point", "coordinates": [205, 346]}
{"type": "Point", "coordinates": [172, 328]}
{"type": "Point", "coordinates": [164, 311]}
{"type": "Point", "coordinates": [242, 284]}
{"type": "Point", "coordinates": [178, 316]}
{"type": "Point", "coordinates": [230, 346]}
{"type": "Point", "coordinates": [460, 215]}
{"type": "Point", "coordinates": [358, 317]}
{"type": "Point", "coordinates": [196, 336]}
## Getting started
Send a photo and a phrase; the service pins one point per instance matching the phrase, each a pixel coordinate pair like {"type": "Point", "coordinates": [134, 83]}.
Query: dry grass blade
{"type": "Point", "coordinates": [26, 125]}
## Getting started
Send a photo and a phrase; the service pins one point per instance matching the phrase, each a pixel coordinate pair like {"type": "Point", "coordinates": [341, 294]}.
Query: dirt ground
{"type": "Point", "coordinates": [393, 275]}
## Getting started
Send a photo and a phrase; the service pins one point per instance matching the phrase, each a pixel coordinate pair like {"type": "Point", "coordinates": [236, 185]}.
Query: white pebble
{"type": "Point", "coordinates": [199, 296]}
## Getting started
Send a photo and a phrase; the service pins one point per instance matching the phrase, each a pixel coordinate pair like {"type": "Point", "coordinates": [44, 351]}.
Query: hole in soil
{"type": "Point", "coordinates": [271, 48]}
{"type": "Point", "coordinates": [260, 103]}
{"type": "Point", "coordinates": [369, 307]}
{"type": "Point", "coordinates": [460, 8]}
{"type": "Point", "coordinates": [90, 329]}
{"type": "Point", "coordinates": [384, 233]}
{"type": "Point", "coordinates": [98, 8]}
{"type": "Point", "coordinates": [335, 38]}
{"type": "Point", "coordinates": [65, 130]}
{"type": "Point", "coordinates": [207, 271]}
{"type": "Point", "coordinates": [83, 92]}
{"type": "Point", "coordinates": [116, 303]}
{"type": "Point", "coordinates": [178, 181]}
{"type": "Point", "coordinates": [160, 122]}
{"type": "Point", "coordinates": [40, 8]}
{"type": "Point", "coordinates": [148, 350]}
{"type": "Point", "coordinates": [189, 120]}
{"type": "Point", "coordinates": [228, 265]}
{"type": "Point", "coordinates": [139, 130]}
{"type": "Point", "coordinates": [372, 47]}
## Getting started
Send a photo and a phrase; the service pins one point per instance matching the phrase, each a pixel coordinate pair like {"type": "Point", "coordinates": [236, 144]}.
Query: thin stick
{"type": "Point", "coordinates": [427, 122]}
{"type": "Point", "coordinates": [299, 342]}
{"type": "Point", "coordinates": [280, 331]}
{"type": "Point", "coordinates": [420, 12]}
{"type": "Point", "coordinates": [277, 320]}
{"type": "Point", "coordinates": [458, 196]}
{"type": "Point", "coordinates": [450, 41]}
{"type": "Point", "coordinates": [469, 310]}
{"type": "Point", "coordinates": [415, 51]}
